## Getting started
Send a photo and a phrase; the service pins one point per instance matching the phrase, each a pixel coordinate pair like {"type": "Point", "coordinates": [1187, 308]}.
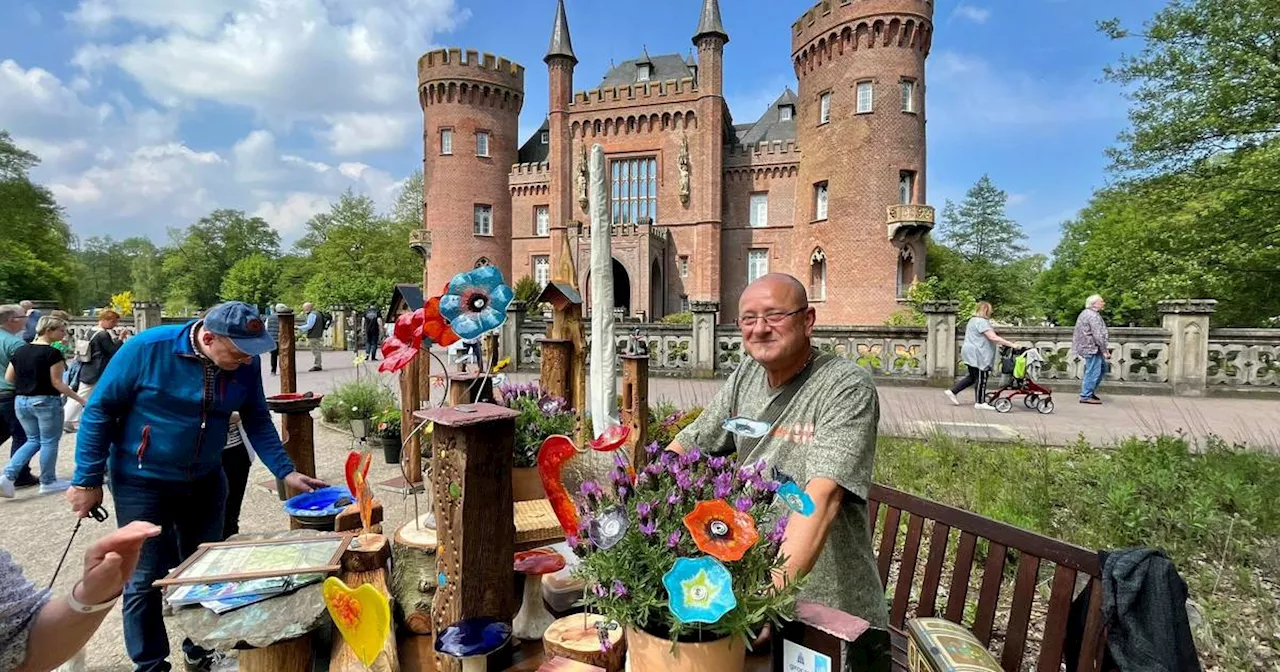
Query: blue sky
{"type": "Point", "coordinates": [150, 113]}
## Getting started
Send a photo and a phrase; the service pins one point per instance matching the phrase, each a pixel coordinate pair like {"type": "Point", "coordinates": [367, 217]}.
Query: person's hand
{"type": "Point", "coordinates": [766, 634]}
{"type": "Point", "coordinates": [302, 482]}
{"type": "Point", "coordinates": [83, 500]}
{"type": "Point", "coordinates": [1106, 354]}
{"type": "Point", "coordinates": [109, 562]}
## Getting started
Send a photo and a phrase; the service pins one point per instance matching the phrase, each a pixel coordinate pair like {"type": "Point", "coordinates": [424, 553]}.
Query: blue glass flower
{"type": "Point", "coordinates": [699, 590]}
{"type": "Point", "coordinates": [796, 499]}
{"type": "Point", "coordinates": [478, 636]}
{"type": "Point", "coordinates": [476, 302]}
{"type": "Point", "coordinates": [746, 427]}
{"type": "Point", "coordinates": [608, 528]}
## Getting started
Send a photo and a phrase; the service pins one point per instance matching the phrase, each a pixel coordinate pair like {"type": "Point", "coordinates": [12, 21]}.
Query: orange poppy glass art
{"type": "Point", "coordinates": [434, 327]}
{"type": "Point", "coordinates": [721, 531]}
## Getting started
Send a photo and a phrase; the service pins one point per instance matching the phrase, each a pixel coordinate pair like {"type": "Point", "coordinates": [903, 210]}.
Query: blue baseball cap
{"type": "Point", "coordinates": [241, 323]}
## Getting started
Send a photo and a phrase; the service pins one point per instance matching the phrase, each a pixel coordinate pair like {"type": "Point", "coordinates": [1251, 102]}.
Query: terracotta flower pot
{"type": "Point", "coordinates": [526, 484]}
{"type": "Point", "coordinates": [646, 653]}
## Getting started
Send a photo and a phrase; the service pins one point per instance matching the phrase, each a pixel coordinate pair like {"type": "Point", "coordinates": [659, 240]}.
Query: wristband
{"type": "Point", "coordinates": [81, 608]}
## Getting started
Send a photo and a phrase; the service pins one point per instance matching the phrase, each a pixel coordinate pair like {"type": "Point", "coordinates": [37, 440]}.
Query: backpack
{"type": "Point", "coordinates": [325, 320]}
{"type": "Point", "coordinates": [83, 354]}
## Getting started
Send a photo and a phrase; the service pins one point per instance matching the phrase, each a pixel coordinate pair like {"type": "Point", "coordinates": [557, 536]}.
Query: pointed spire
{"type": "Point", "coordinates": [709, 23]}
{"type": "Point", "coordinates": [561, 45]}
{"type": "Point", "coordinates": [644, 55]}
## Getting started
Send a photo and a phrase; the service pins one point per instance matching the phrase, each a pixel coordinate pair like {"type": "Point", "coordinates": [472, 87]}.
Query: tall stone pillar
{"type": "Point", "coordinates": [704, 338]}
{"type": "Point", "coordinates": [1187, 321]}
{"type": "Point", "coordinates": [146, 314]}
{"type": "Point", "coordinates": [510, 337]}
{"type": "Point", "coordinates": [940, 340]}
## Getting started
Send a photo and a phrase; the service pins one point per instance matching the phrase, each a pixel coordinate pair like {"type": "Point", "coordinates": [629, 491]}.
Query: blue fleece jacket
{"type": "Point", "coordinates": [159, 412]}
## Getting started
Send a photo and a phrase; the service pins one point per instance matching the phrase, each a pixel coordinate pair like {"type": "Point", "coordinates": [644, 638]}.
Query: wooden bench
{"type": "Point", "coordinates": [1036, 554]}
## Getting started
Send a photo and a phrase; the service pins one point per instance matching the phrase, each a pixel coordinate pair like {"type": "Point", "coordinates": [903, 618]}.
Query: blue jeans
{"type": "Point", "coordinates": [41, 419]}
{"type": "Point", "coordinates": [1093, 367]}
{"type": "Point", "coordinates": [190, 513]}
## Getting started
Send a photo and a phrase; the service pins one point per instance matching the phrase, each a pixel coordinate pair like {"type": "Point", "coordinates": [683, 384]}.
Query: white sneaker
{"type": "Point", "coordinates": [951, 396]}
{"type": "Point", "coordinates": [6, 487]}
{"type": "Point", "coordinates": [54, 487]}
{"type": "Point", "coordinates": [984, 407]}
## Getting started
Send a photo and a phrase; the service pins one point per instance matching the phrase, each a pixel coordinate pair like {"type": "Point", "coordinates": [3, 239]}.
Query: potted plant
{"type": "Point", "coordinates": [683, 556]}
{"type": "Point", "coordinates": [386, 434]}
{"type": "Point", "coordinates": [541, 415]}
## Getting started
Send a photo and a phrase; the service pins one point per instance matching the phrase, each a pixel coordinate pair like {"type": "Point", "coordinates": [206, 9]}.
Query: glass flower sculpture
{"type": "Point", "coordinates": [746, 427]}
{"type": "Point", "coordinates": [611, 439]}
{"type": "Point", "coordinates": [795, 498]}
{"type": "Point", "coordinates": [608, 528]}
{"type": "Point", "coordinates": [721, 531]}
{"type": "Point", "coordinates": [700, 590]}
{"type": "Point", "coordinates": [476, 302]}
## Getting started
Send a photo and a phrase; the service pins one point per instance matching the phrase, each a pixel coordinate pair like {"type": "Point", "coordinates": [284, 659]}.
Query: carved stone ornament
{"type": "Point", "coordinates": [580, 180]}
{"type": "Point", "coordinates": [683, 164]}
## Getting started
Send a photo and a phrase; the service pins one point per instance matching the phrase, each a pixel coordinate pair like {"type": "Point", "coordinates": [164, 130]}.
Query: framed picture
{"type": "Point", "coordinates": [259, 559]}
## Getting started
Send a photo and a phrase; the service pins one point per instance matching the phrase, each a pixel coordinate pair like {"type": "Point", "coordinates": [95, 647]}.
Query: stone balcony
{"type": "Point", "coordinates": [908, 220]}
{"type": "Point", "coordinates": [645, 227]}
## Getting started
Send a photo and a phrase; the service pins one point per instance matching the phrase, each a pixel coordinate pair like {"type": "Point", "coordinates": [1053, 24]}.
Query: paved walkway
{"type": "Point", "coordinates": [921, 411]}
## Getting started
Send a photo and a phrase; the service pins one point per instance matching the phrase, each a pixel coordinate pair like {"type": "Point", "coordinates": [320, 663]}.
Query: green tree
{"type": "Point", "coordinates": [407, 208]}
{"type": "Point", "coordinates": [204, 252]}
{"type": "Point", "coordinates": [146, 270]}
{"type": "Point", "coordinates": [979, 229]}
{"type": "Point", "coordinates": [355, 256]}
{"type": "Point", "coordinates": [252, 280]}
{"type": "Point", "coordinates": [36, 262]}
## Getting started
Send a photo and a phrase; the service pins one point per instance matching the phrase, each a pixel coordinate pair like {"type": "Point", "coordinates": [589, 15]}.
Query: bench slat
{"type": "Point", "coordinates": [873, 509]}
{"type": "Point", "coordinates": [933, 569]}
{"type": "Point", "coordinates": [1091, 648]}
{"type": "Point", "coordinates": [960, 578]}
{"type": "Point", "coordinates": [989, 596]}
{"type": "Point", "coordinates": [1024, 593]}
{"type": "Point", "coordinates": [888, 540]}
{"type": "Point", "coordinates": [906, 571]}
{"type": "Point", "coordinates": [1056, 551]}
{"type": "Point", "coordinates": [1055, 628]}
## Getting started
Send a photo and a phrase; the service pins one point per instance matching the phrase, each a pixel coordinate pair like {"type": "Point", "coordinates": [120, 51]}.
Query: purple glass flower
{"type": "Point", "coordinates": [618, 589]}
{"type": "Point", "coordinates": [673, 539]}
{"type": "Point", "coordinates": [609, 528]}
{"type": "Point", "coordinates": [743, 503]}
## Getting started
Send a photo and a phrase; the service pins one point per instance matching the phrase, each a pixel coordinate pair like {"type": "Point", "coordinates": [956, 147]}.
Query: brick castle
{"type": "Point", "coordinates": [827, 185]}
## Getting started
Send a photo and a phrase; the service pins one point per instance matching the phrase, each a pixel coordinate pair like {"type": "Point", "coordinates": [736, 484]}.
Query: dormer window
{"type": "Point", "coordinates": [546, 137]}
{"type": "Point", "coordinates": [642, 72]}
{"type": "Point", "coordinates": [786, 112]}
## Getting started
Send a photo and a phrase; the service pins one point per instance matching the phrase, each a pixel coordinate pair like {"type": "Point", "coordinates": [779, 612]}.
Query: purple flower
{"type": "Point", "coordinates": [624, 492]}
{"type": "Point", "coordinates": [673, 539]}
{"type": "Point", "coordinates": [743, 503]}
{"type": "Point", "coordinates": [669, 458]}
{"type": "Point", "coordinates": [779, 529]}
{"type": "Point", "coordinates": [599, 590]}
{"type": "Point", "coordinates": [691, 456]}
{"type": "Point", "coordinates": [572, 540]}
{"type": "Point", "coordinates": [618, 589]}
{"type": "Point", "coordinates": [683, 480]}
{"type": "Point", "coordinates": [653, 448]}
{"type": "Point", "coordinates": [718, 463]}
{"type": "Point", "coordinates": [723, 483]}
{"type": "Point", "coordinates": [701, 482]}
{"type": "Point", "coordinates": [654, 469]}
{"type": "Point", "coordinates": [673, 498]}
{"type": "Point", "coordinates": [591, 489]}
{"type": "Point", "coordinates": [644, 509]}
{"type": "Point", "coordinates": [619, 460]}
{"type": "Point", "coordinates": [648, 529]}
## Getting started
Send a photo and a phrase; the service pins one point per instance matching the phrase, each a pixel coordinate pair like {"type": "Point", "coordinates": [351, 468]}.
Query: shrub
{"type": "Point", "coordinates": [526, 289]}
{"type": "Point", "coordinates": [666, 421]}
{"type": "Point", "coordinates": [685, 317]}
{"type": "Point", "coordinates": [362, 398]}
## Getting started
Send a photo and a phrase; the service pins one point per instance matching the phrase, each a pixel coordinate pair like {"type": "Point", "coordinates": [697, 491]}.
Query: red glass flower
{"type": "Point", "coordinates": [721, 531]}
{"type": "Point", "coordinates": [611, 439]}
{"type": "Point", "coordinates": [538, 561]}
{"type": "Point", "coordinates": [434, 327]}
{"type": "Point", "coordinates": [402, 346]}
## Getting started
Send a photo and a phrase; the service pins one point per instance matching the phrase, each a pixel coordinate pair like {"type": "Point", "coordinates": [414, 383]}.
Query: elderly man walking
{"type": "Point", "coordinates": [13, 322]}
{"type": "Point", "coordinates": [313, 329]}
{"type": "Point", "coordinates": [1090, 342]}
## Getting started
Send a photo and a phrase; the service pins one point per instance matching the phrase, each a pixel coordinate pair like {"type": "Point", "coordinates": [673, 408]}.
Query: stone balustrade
{"type": "Point", "coordinates": [1183, 356]}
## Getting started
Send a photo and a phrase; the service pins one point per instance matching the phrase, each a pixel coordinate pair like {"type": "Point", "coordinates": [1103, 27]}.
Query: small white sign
{"type": "Point", "coordinates": [796, 658]}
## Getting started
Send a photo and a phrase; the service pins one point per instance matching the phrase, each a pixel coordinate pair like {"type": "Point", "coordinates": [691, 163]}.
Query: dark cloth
{"type": "Point", "coordinates": [317, 327]}
{"type": "Point", "coordinates": [11, 428]}
{"type": "Point", "coordinates": [975, 378]}
{"type": "Point", "coordinates": [1144, 608]}
{"type": "Point", "coordinates": [189, 513]}
{"type": "Point", "coordinates": [235, 464]}
{"type": "Point", "coordinates": [275, 359]}
{"type": "Point", "coordinates": [29, 331]}
{"type": "Point", "coordinates": [31, 366]}
{"type": "Point", "coordinates": [372, 330]}
{"type": "Point", "coordinates": [102, 347]}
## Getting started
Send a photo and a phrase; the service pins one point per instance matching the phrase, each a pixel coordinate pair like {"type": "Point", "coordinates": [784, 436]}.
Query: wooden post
{"type": "Point", "coordinates": [469, 388]}
{"type": "Point", "coordinates": [475, 518]}
{"type": "Point", "coordinates": [411, 391]}
{"type": "Point", "coordinates": [287, 355]}
{"type": "Point", "coordinates": [557, 368]}
{"type": "Point", "coordinates": [298, 436]}
{"type": "Point", "coordinates": [489, 346]}
{"type": "Point", "coordinates": [293, 655]}
{"type": "Point", "coordinates": [414, 576]}
{"type": "Point", "coordinates": [635, 404]}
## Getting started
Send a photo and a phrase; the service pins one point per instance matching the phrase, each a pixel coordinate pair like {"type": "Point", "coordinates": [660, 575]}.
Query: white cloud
{"type": "Point", "coordinates": [971, 13]}
{"type": "Point", "coordinates": [288, 216]}
{"type": "Point", "coordinates": [358, 133]}
{"type": "Point", "coordinates": [1019, 199]}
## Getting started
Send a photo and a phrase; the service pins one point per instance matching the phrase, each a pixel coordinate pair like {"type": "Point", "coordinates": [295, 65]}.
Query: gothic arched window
{"type": "Point", "coordinates": [818, 275]}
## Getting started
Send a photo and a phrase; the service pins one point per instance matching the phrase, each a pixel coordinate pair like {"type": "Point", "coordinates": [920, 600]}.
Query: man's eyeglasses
{"type": "Point", "coordinates": [772, 319]}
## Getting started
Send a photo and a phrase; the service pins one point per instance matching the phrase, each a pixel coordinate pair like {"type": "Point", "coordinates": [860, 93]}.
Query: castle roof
{"type": "Point", "coordinates": [561, 45]}
{"type": "Point", "coordinates": [661, 68]}
{"type": "Point", "coordinates": [709, 22]}
{"type": "Point", "coordinates": [534, 150]}
{"type": "Point", "coordinates": [770, 126]}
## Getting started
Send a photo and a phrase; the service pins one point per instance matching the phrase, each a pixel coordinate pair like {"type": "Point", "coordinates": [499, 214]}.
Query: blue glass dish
{"type": "Point", "coordinates": [328, 501]}
{"type": "Point", "coordinates": [478, 636]}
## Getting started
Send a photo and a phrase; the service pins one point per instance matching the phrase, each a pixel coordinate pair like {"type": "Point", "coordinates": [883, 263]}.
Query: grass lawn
{"type": "Point", "coordinates": [1216, 513]}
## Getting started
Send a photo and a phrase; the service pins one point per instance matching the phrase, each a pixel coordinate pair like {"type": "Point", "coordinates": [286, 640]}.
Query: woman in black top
{"type": "Point", "coordinates": [101, 347]}
{"type": "Point", "coordinates": [35, 371]}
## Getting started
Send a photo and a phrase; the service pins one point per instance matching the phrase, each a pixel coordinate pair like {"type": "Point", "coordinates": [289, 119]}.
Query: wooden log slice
{"type": "Point", "coordinates": [576, 638]}
{"type": "Point", "coordinates": [413, 574]}
{"type": "Point", "coordinates": [367, 553]}
{"type": "Point", "coordinates": [293, 655]}
{"type": "Point", "coordinates": [343, 658]}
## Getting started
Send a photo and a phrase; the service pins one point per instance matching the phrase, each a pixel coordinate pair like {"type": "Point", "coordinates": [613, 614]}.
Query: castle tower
{"type": "Point", "coordinates": [859, 220]}
{"type": "Point", "coordinates": [560, 62]}
{"type": "Point", "coordinates": [709, 39]}
{"type": "Point", "coordinates": [470, 109]}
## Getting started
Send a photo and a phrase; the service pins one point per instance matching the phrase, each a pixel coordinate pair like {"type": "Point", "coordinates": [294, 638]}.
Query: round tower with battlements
{"type": "Point", "coordinates": [471, 110]}
{"type": "Point", "coordinates": [860, 218]}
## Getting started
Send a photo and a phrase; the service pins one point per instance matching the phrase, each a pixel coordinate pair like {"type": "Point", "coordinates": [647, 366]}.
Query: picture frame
{"type": "Point", "coordinates": [226, 561]}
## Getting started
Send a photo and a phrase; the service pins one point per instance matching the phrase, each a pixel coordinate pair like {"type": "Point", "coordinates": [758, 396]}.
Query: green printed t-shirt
{"type": "Point", "coordinates": [828, 430]}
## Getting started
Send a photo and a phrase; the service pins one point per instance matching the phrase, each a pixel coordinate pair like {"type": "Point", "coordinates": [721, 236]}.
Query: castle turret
{"type": "Point", "coordinates": [709, 39]}
{"type": "Point", "coordinates": [560, 61]}
{"type": "Point", "coordinates": [471, 109]}
{"type": "Point", "coordinates": [859, 220]}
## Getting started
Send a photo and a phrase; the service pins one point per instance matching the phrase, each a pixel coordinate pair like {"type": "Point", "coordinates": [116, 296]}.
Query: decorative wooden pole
{"type": "Point", "coordinates": [299, 439]}
{"type": "Point", "coordinates": [475, 518]}
{"type": "Point", "coordinates": [557, 368]}
{"type": "Point", "coordinates": [635, 404]}
{"type": "Point", "coordinates": [411, 395]}
{"type": "Point", "coordinates": [287, 356]}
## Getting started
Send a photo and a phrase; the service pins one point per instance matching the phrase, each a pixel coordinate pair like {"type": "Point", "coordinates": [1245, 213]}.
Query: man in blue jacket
{"type": "Point", "coordinates": [154, 431]}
